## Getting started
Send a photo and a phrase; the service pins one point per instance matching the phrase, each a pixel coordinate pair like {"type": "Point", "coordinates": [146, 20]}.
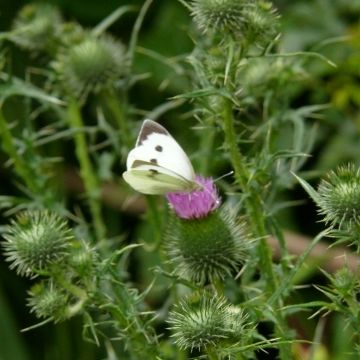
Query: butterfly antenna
{"type": "Point", "coordinates": [224, 176]}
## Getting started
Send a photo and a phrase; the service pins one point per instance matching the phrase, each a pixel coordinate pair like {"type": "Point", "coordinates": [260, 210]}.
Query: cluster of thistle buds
{"type": "Point", "coordinates": [39, 244]}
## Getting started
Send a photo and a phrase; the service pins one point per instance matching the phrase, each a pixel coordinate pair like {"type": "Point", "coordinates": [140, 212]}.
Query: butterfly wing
{"type": "Point", "coordinates": [156, 146]}
{"type": "Point", "coordinates": [148, 178]}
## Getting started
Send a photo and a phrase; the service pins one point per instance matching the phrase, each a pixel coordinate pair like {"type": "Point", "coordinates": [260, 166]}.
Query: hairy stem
{"type": "Point", "coordinates": [253, 201]}
{"type": "Point", "coordinates": [253, 204]}
{"type": "Point", "coordinates": [117, 107]}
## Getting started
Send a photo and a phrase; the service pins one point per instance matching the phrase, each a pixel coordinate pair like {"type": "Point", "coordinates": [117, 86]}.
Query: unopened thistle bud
{"type": "Point", "coordinates": [204, 243]}
{"type": "Point", "coordinates": [345, 282]}
{"type": "Point", "coordinates": [339, 196]}
{"type": "Point", "coordinates": [94, 64]}
{"type": "Point", "coordinates": [250, 19]}
{"type": "Point", "coordinates": [261, 22]}
{"type": "Point", "coordinates": [48, 301]}
{"type": "Point", "coordinates": [83, 259]}
{"type": "Point", "coordinates": [35, 241]}
{"type": "Point", "coordinates": [36, 26]}
{"type": "Point", "coordinates": [218, 15]}
{"type": "Point", "coordinates": [204, 323]}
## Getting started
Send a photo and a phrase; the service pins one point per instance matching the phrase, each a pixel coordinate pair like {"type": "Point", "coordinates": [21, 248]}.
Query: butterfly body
{"type": "Point", "coordinates": [158, 164]}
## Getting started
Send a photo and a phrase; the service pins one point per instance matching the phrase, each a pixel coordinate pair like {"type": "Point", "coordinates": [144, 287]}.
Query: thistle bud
{"type": "Point", "coordinates": [339, 196]}
{"type": "Point", "coordinates": [261, 22]}
{"type": "Point", "coordinates": [36, 26]}
{"type": "Point", "coordinates": [83, 259]}
{"type": "Point", "coordinates": [47, 301]}
{"type": "Point", "coordinates": [35, 241]}
{"type": "Point", "coordinates": [92, 65]}
{"type": "Point", "coordinates": [205, 322]}
{"type": "Point", "coordinates": [204, 243]}
{"type": "Point", "coordinates": [256, 21]}
{"type": "Point", "coordinates": [218, 15]}
{"type": "Point", "coordinates": [344, 281]}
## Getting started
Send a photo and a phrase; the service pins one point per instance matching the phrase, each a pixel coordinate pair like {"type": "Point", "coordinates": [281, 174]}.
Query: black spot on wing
{"type": "Point", "coordinates": [154, 161]}
{"type": "Point", "coordinates": [152, 173]}
{"type": "Point", "coordinates": [159, 148]}
{"type": "Point", "coordinates": [150, 127]}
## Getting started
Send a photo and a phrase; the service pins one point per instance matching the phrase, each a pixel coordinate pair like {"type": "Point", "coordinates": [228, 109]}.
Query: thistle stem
{"type": "Point", "coordinates": [156, 222]}
{"type": "Point", "coordinates": [255, 212]}
{"type": "Point", "coordinates": [87, 173]}
{"type": "Point", "coordinates": [206, 147]}
{"type": "Point", "coordinates": [117, 108]}
{"type": "Point", "coordinates": [252, 201]}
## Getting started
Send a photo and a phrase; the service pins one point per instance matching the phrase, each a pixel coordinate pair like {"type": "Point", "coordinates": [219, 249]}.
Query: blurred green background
{"type": "Point", "coordinates": [331, 27]}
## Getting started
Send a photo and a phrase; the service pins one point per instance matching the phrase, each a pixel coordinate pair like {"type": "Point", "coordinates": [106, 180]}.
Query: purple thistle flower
{"type": "Point", "coordinates": [195, 204]}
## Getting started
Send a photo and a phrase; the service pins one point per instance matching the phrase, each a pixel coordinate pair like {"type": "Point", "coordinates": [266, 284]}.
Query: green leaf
{"type": "Point", "coordinates": [111, 19]}
{"type": "Point", "coordinates": [15, 86]}
{"type": "Point", "coordinates": [308, 188]}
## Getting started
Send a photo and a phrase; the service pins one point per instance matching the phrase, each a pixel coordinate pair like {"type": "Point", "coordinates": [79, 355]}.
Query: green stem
{"type": "Point", "coordinates": [117, 108]}
{"type": "Point", "coordinates": [156, 222]}
{"type": "Point", "coordinates": [206, 147]}
{"type": "Point", "coordinates": [87, 173]}
{"type": "Point", "coordinates": [252, 201]}
{"type": "Point", "coordinates": [253, 204]}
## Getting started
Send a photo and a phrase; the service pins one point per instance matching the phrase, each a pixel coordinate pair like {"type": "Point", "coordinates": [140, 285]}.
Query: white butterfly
{"type": "Point", "coordinates": [158, 164]}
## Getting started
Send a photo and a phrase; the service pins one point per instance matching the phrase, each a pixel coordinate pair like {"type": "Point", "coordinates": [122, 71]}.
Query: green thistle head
{"type": "Point", "coordinates": [90, 66]}
{"type": "Point", "coordinates": [36, 26]}
{"type": "Point", "coordinates": [345, 282]}
{"type": "Point", "coordinates": [47, 301]}
{"type": "Point", "coordinates": [35, 241]}
{"type": "Point", "coordinates": [254, 20]}
{"type": "Point", "coordinates": [205, 322]}
{"type": "Point", "coordinates": [83, 259]}
{"type": "Point", "coordinates": [221, 16]}
{"type": "Point", "coordinates": [340, 196]}
{"type": "Point", "coordinates": [209, 248]}
{"type": "Point", "coordinates": [261, 23]}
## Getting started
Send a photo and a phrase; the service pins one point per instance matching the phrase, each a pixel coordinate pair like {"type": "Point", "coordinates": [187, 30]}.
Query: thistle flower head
{"type": "Point", "coordinates": [92, 65]}
{"type": "Point", "coordinates": [35, 241]}
{"type": "Point", "coordinates": [340, 196]}
{"type": "Point", "coordinates": [36, 26]}
{"type": "Point", "coordinates": [207, 249]}
{"type": "Point", "coordinates": [48, 301]}
{"type": "Point", "coordinates": [254, 20]}
{"type": "Point", "coordinates": [196, 204]}
{"type": "Point", "coordinates": [204, 323]}
{"type": "Point", "coordinates": [218, 15]}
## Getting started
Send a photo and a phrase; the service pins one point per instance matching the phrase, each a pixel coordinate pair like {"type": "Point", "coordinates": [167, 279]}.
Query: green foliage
{"type": "Point", "coordinates": [222, 79]}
